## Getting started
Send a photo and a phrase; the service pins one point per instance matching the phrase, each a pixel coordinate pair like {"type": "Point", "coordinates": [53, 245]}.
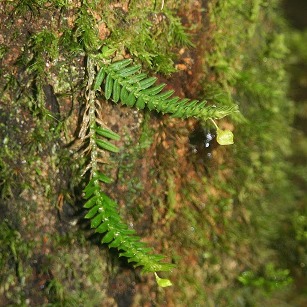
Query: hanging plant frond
{"type": "Point", "coordinates": [125, 83]}
{"type": "Point", "coordinates": [102, 210]}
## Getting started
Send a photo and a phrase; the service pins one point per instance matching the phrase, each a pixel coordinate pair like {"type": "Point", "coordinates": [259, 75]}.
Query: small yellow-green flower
{"type": "Point", "coordinates": [224, 137]}
{"type": "Point", "coordinates": [163, 282]}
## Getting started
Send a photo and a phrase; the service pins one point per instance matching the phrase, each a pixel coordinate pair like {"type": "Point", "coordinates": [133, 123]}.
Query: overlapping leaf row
{"type": "Point", "coordinates": [125, 83]}
{"type": "Point", "coordinates": [105, 218]}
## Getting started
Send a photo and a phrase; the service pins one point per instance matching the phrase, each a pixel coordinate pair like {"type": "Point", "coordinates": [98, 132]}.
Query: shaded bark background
{"type": "Point", "coordinates": [188, 198]}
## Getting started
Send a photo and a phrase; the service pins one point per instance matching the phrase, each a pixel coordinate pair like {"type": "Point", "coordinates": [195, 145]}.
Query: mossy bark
{"type": "Point", "coordinates": [201, 205]}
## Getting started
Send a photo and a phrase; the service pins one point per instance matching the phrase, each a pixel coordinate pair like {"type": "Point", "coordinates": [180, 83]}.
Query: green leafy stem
{"type": "Point", "coordinates": [123, 82]}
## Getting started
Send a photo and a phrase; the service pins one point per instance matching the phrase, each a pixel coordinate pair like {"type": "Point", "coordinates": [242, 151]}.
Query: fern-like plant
{"type": "Point", "coordinates": [124, 83]}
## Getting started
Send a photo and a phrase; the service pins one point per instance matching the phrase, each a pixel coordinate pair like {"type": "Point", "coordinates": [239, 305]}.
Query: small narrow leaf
{"type": "Point", "coordinates": [124, 94]}
{"type": "Point", "coordinates": [134, 259]}
{"type": "Point", "coordinates": [154, 90]}
{"type": "Point", "coordinates": [89, 191]}
{"type": "Point", "coordinates": [108, 237]}
{"type": "Point", "coordinates": [151, 105]}
{"type": "Point", "coordinates": [140, 103]}
{"type": "Point", "coordinates": [199, 106]}
{"type": "Point", "coordinates": [127, 254]}
{"type": "Point", "coordinates": [102, 228]}
{"type": "Point", "coordinates": [170, 105]}
{"type": "Point", "coordinates": [110, 202]}
{"type": "Point", "coordinates": [165, 95]}
{"type": "Point", "coordinates": [116, 91]}
{"type": "Point", "coordinates": [147, 83]}
{"type": "Point", "coordinates": [117, 242]}
{"type": "Point", "coordinates": [120, 64]}
{"type": "Point", "coordinates": [192, 104]}
{"type": "Point", "coordinates": [99, 78]}
{"type": "Point", "coordinates": [107, 133]}
{"type": "Point", "coordinates": [107, 51]}
{"type": "Point", "coordinates": [103, 178]}
{"type": "Point", "coordinates": [136, 78]}
{"type": "Point", "coordinates": [92, 212]}
{"type": "Point", "coordinates": [179, 113]}
{"type": "Point", "coordinates": [89, 186]}
{"type": "Point", "coordinates": [171, 101]}
{"type": "Point", "coordinates": [90, 203]}
{"type": "Point", "coordinates": [127, 232]}
{"type": "Point", "coordinates": [184, 109]}
{"type": "Point", "coordinates": [129, 71]}
{"type": "Point", "coordinates": [108, 87]}
{"type": "Point", "coordinates": [96, 221]}
{"type": "Point", "coordinates": [107, 145]}
{"type": "Point", "coordinates": [184, 101]}
{"type": "Point", "coordinates": [131, 100]}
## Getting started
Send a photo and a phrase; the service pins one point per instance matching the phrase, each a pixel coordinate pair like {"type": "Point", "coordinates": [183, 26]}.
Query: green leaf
{"type": "Point", "coordinates": [220, 112]}
{"type": "Point", "coordinates": [106, 52]}
{"type": "Point", "coordinates": [117, 242]}
{"type": "Point", "coordinates": [108, 87]}
{"type": "Point", "coordinates": [110, 202]}
{"type": "Point", "coordinates": [147, 83]}
{"type": "Point", "coordinates": [124, 94]}
{"type": "Point", "coordinates": [170, 105]}
{"type": "Point", "coordinates": [108, 237]}
{"type": "Point", "coordinates": [127, 254]}
{"type": "Point", "coordinates": [110, 212]}
{"type": "Point", "coordinates": [140, 103]}
{"type": "Point", "coordinates": [154, 90]}
{"type": "Point", "coordinates": [90, 203]}
{"type": "Point", "coordinates": [165, 95]}
{"type": "Point", "coordinates": [107, 145]}
{"type": "Point", "coordinates": [107, 133]}
{"type": "Point", "coordinates": [224, 137]}
{"type": "Point", "coordinates": [199, 106]}
{"type": "Point", "coordinates": [151, 104]}
{"type": "Point", "coordinates": [92, 212]}
{"type": "Point", "coordinates": [90, 190]}
{"type": "Point", "coordinates": [131, 100]}
{"type": "Point", "coordinates": [96, 221]}
{"type": "Point", "coordinates": [102, 228]}
{"type": "Point", "coordinates": [89, 186]}
{"type": "Point", "coordinates": [116, 91]}
{"type": "Point", "coordinates": [193, 104]}
{"type": "Point", "coordinates": [136, 78]}
{"type": "Point", "coordinates": [172, 101]}
{"type": "Point", "coordinates": [129, 71]}
{"type": "Point", "coordinates": [99, 78]}
{"type": "Point", "coordinates": [127, 231]}
{"type": "Point", "coordinates": [103, 178]}
{"type": "Point", "coordinates": [120, 64]}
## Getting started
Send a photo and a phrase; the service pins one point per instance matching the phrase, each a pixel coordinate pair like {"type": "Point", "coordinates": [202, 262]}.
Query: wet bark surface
{"type": "Point", "coordinates": [169, 178]}
{"type": "Point", "coordinates": [43, 208]}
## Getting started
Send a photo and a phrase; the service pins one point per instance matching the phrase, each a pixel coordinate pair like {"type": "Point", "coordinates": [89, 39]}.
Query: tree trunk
{"type": "Point", "coordinates": [207, 208]}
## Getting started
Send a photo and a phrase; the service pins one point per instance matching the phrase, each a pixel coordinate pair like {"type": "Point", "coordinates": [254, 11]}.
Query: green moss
{"type": "Point", "coordinates": [236, 210]}
{"type": "Point", "coordinates": [78, 277]}
{"type": "Point", "coordinates": [248, 63]}
{"type": "Point", "coordinates": [14, 258]}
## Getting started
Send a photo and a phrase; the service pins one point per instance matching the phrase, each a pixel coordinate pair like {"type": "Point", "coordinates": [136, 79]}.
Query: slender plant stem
{"type": "Point", "coordinates": [90, 97]}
